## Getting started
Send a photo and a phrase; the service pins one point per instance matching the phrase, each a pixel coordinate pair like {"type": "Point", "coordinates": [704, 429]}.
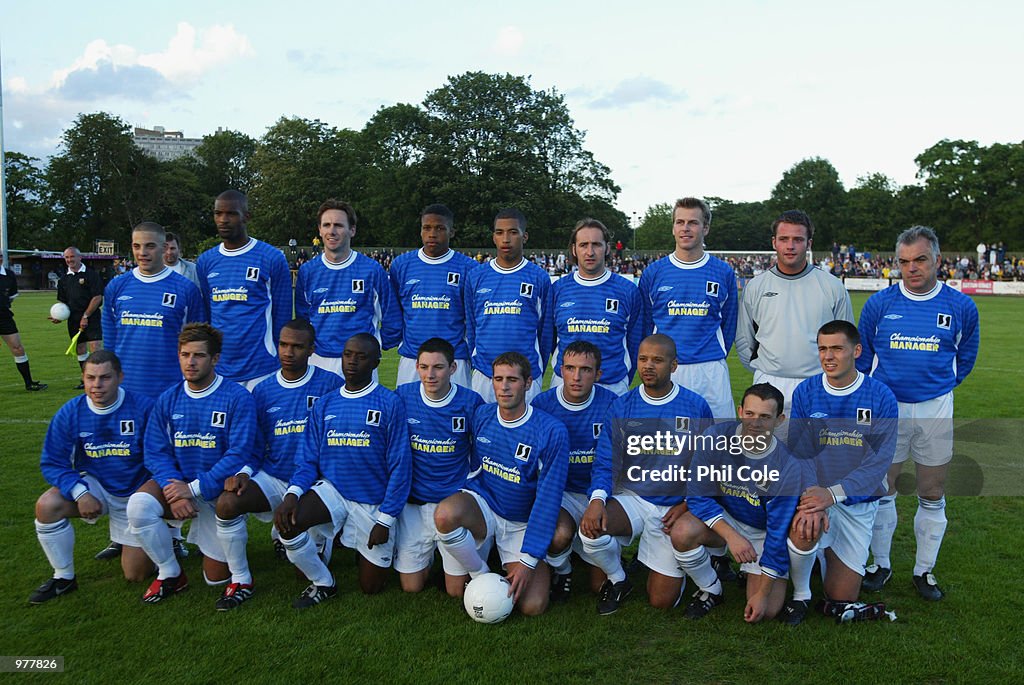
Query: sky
{"type": "Point", "coordinates": [716, 99]}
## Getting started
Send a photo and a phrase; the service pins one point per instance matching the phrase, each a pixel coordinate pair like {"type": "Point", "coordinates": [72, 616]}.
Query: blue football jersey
{"type": "Point", "coordinates": [584, 421]}
{"type": "Point", "coordinates": [282, 410]}
{"type": "Point", "coordinates": [440, 437]}
{"type": "Point", "coordinates": [606, 311]}
{"type": "Point", "coordinates": [921, 346]}
{"type": "Point", "coordinates": [142, 317]}
{"type": "Point", "coordinates": [343, 299]}
{"type": "Point", "coordinates": [248, 295]}
{"type": "Point", "coordinates": [429, 293]}
{"type": "Point", "coordinates": [695, 304]}
{"type": "Point", "coordinates": [106, 443]}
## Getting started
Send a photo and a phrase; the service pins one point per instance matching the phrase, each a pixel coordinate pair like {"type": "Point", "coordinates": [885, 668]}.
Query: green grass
{"type": "Point", "coordinates": [106, 634]}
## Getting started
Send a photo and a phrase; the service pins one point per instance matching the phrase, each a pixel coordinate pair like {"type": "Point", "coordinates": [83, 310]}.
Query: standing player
{"type": "Point", "coordinates": [784, 307]}
{"type": "Point", "coordinates": [352, 476]}
{"type": "Point", "coordinates": [344, 292]}
{"type": "Point", "coordinates": [690, 296]}
{"type": "Point", "coordinates": [507, 307]}
{"type": "Point", "coordinates": [512, 499]}
{"type": "Point", "coordinates": [596, 305]}
{"type": "Point", "coordinates": [9, 329]}
{"type": "Point", "coordinates": [81, 289]}
{"type": "Point", "coordinates": [845, 423]}
{"type": "Point", "coordinates": [144, 311]}
{"type": "Point", "coordinates": [199, 436]}
{"type": "Point", "coordinates": [428, 285]}
{"type": "Point", "coordinates": [581, 405]}
{"type": "Point", "coordinates": [174, 260]}
{"type": "Point", "coordinates": [733, 508]}
{"type": "Point", "coordinates": [921, 339]}
{"type": "Point", "coordinates": [248, 291]}
{"type": "Point", "coordinates": [283, 404]}
{"type": "Point", "coordinates": [92, 456]}
{"type": "Point", "coordinates": [440, 416]}
{"type": "Point", "coordinates": [612, 522]}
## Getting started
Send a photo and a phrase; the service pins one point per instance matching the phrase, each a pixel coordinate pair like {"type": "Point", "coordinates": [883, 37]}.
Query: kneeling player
{"type": "Point", "coordinates": [580, 404]}
{"type": "Point", "coordinates": [199, 436]}
{"type": "Point", "coordinates": [283, 403]}
{"type": "Point", "coordinates": [352, 477]}
{"type": "Point", "coordinates": [440, 416]}
{"type": "Point", "coordinates": [729, 507]}
{"type": "Point", "coordinates": [513, 497]}
{"type": "Point", "coordinates": [610, 523]}
{"type": "Point", "coordinates": [102, 433]}
{"type": "Point", "coordinates": [845, 424]}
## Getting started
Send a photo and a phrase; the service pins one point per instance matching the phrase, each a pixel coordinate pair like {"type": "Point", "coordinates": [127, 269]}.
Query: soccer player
{"type": "Point", "coordinates": [512, 498]}
{"type": "Point", "coordinates": [440, 416]}
{"type": "Point", "coordinates": [596, 305]}
{"type": "Point", "coordinates": [581, 404]}
{"type": "Point", "coordinates": [921, 339]}
{"type": "Point", "coordinates": [200, 436]}
{"type": "Point", "coordinates": [283, 404]}
{"type": "Point", "coordinates": [144, 310]}
{"type": "Point", "coordinates": [81, 289]}
{"type": "Point", "coordinates": [428, 285]}
{"type": "Point", "coordinates": [174, 260]}
{"type": "Point", "coordinates": [784, 307]}
{"type": "Point", "coordinates": [247, 287]}
{"type": "Point", "coordinates": [612, 522]}
{"type": "Point", "coordinates": [844, 422]}
{"type": "Point", "coordinates": [731, 506]}
{"type": "Point", "coordinates": [352, 476]}
{"type": "Point", "coordinates": [691, 297]}
{"type": "Point", "coordinates": [9, 329]}
{"type": "Point", "coordinates": [344, 292]}
{"type": "Point", "coordinates": [92, 456]}
{"type": "Point", "coordinates": [507, 307]}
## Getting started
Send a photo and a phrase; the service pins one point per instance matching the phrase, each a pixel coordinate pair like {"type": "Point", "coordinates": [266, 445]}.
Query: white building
{"type": "Point", "coordinates": [165, 145]}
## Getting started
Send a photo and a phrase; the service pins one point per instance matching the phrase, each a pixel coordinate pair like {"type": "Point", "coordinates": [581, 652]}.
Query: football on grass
{"type": "Point", "coordinates": [487, 598]}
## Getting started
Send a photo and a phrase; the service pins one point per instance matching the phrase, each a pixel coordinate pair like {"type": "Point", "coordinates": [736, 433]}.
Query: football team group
{"type": "Point", "coordinates": [224, 391]}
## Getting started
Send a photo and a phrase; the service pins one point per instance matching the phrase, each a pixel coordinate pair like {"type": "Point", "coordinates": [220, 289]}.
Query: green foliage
{"type": "Point", "coordinates": [813, 186]}
{"type": "Point", "coordinates": [655, 229]}
{"type": "Point", "coordinates": [28, 216]}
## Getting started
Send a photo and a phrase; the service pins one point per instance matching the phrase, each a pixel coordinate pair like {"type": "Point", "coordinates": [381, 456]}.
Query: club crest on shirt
{"type": "Point", "coordinates": [712, 288]}
{"type": "Point", "coordinates": [863, 416]}
{"type": "Point", "coordinates": [458, 424]}
{"type": "Point", "coordinates": [944, 321]}
{"type": "Point", "coordinates": [611, 306]}
{"type": "Point", "coordinates": [372, 417]}
{"type": "Point", "coordinates": [526, 289]}
{"type": "Point", "coordinates": [219, 419]}
{"type": "Point", "coordinates": [252, 273]}
{"type": "Point", "coordinates": [358, 285]}
{"type": "Point", "coordinates": [523, 452]}
{"type": "Point", "coordinates": [682, 424]}
{"type": "Point", "coordinates": [128, 427]}
{"type": "Point", "coordinates": [169, 299]}
{"type": "Point", "coordinates": [453, 277]}
{"type": "Point", "coordinates": [596, 427]}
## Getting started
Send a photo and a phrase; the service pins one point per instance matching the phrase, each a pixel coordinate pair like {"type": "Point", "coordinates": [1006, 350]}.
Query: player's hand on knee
{"type": "Point", "coordinates": [595, 522]}
{"type": "Point", "coordinates": [177, 490]}
{"type": "Point", "coordinates": [673, 515]}
{"type": "Point", "coordinates": [379, 535]}
{"type": "Point", "coordinates": [184, 509]}
{"type": "Point", "coordinates": [518, 577]}
{"type": "Point", "coordinates": [284, 516]}
{"type": "Point", "coordinates": [815, 499]}
{"type": "Point", "coordinates": [741, 549]}
{"type": "Point", "coordinates": [89, 507]}
{"type": "Point", "coordinates": [237, 483]}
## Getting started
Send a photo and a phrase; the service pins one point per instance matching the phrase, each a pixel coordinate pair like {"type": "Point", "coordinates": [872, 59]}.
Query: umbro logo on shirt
{"type": "Point", "coordinates": [863, 416]}
{"type": "Point", "coordinates": [769, 294]}
{"type": "Point", "coordinates": [893, 316]}
{"type": "Point", "coordinates": [458, 424]}
{"type": "Point", "coordinates": [944, 321]}
{"type": "Point", "coordinates": [372, 417]}
{"type": "Point", "coordinates": [483, 291]}
{"type": "Point", "coordinates": [567, 304]}
{"type": "Point", "coordinates": [819, 415]}
{"type": "Point", "coordinates": [169, 299]}
{"type": "Point", "coordinates": [664, 288]}
{"type": "Point", "coordinates": [523, 452]}
{"type": "Point", "coordinates": [319, 291]}
{"type": "Point", "coordinates": [124, 298]}
{"type": "Point", "coordinates": [218, 419]}
{"type": "Point", "coordinates": [252, 273]}
{"type": "Point", "coordinates": [128, 427]}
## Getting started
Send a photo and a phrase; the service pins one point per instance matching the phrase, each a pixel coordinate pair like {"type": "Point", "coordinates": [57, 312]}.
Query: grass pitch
{"type": "Point", "coordinates": [104, 633]}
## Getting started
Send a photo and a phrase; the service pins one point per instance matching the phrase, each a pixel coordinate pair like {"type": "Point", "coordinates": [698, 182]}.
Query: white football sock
{"type": "Point", "coordinates": [929, 527]}
{"type": "Point", "coordinates": [717, 551]}
{"type": "Point", "coordinates": [697, 564]}
{"type": "Point", "coordinates": [559, 563]}
{"type": "Point", "coordinates": [882, 531]}
{"type": "Point", "coordinates": [461, 545]}
{"type": "Point", "coordinates": [145, 515]}
{"type": "Point", "coordinates": [58, 542]}
{"type": "Point", "coordinates": [801, 564]}
{"type": "Point", "coordinates": [233, 536]}
{"type": "Point", "coordinates": [606, 553]}
{"type": "Point", "coordinates": [302, 553]}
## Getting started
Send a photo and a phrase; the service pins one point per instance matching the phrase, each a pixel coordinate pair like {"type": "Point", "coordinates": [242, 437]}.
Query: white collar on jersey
{"type": "Point", "coordinates": [518, 422]}
{"type": "Point", "coordinates": [349, 395]}
{"type": "Point", "coordinates": [660, 400]}
{"type": "Point", "coordinates": [443, 402]}
{"type": "Point", "coordinates": [503, 270]}
{"type": "Point", "coordinates": [842, 392]}
{"type": "Point", "coordinates": [339, 265]}
{"type": "Point", "coordinates": [920, 297]}
{"type": "Point", "coordinates": [80, 269]}
{"type": "Point", "coordinates": [603, 278]}
{"type": "Point", "coordinates": [106, 410]}
{"type": "Point", "coordinates": [164, 273]}
{"type": "Point", "coordinates": [298, 382]}
{"type": "Point", "coordinates": [251, 243]}
{"type": "Point", "coordinates": [689, 265]}
{"type": "Point", "coordinates": [424, 257]}
{"type": "Point", "coordinates": [205, 392]}
{"type": "Point", "coordinates": [757, 455]}
{"type": "Point", "coordinates": [575, 406]}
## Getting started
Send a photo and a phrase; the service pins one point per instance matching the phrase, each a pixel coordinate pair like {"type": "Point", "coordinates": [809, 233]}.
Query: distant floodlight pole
{"type": "Point", "coordinates": [636, 226]}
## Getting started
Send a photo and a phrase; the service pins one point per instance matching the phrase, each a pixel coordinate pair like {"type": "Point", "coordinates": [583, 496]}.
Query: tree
{"type": "Point", "coordinates": [813, 186]}
{"type": "Point", "coordinates": [871, 212]}
{"type": "Point", "coordinates": [28, 217]}
{"type": "Point", "coordinates": [655, 229]}
{"type": "Point", "coordinates": [224, 161]}
{"type": "Point", "coordinates": [739, 225]}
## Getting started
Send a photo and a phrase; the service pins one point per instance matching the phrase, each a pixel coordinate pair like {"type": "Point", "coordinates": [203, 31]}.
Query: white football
{"type": "Point", "coordinates": [60, 311]}
{"type": "Point", "coordinates": [487, 599]}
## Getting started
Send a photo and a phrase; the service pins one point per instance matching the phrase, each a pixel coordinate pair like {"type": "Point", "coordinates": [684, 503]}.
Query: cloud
{"type": "Point", "coordinates": [106, 81]}
{"type": "Point", "coordinates": [638, 89]}
{"type": "Point", "coordinates": [509, 41]}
